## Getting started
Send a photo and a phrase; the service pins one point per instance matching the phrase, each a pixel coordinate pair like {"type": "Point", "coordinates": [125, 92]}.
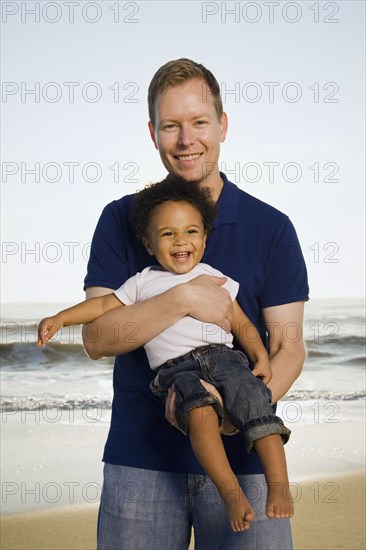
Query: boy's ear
{"type": "Point", "coordinates": [147, 244]}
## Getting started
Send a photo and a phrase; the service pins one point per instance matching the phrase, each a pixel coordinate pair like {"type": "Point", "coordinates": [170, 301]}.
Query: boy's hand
{"type": "Point", "coordinates": [262, 370]}
{"type": "Point", "coordinates": [48, 328]}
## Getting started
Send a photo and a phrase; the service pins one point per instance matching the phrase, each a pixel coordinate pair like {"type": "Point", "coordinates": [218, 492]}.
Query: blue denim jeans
{"type": "Point", "coordinates": [148, 510]}
{"type": "Point", "coordinates": [247, 399]}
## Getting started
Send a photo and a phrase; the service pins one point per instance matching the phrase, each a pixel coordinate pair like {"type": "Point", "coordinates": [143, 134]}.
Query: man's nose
{"type": "Point", "coordinates": [186, 136]}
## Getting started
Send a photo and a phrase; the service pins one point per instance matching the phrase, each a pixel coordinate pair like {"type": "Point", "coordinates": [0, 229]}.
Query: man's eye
{"type": "Point", "coordinates": [201, 122]}
{"type": "Point", "coordinates": [170, 126]}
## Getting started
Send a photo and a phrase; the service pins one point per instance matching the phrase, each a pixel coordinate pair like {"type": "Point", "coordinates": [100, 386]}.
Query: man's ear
{"type": "Point", "coordinates": [223, 127]}
{"type": "Point", "coordinates": [147, 245]}
{"type": "Point", "coordinates": [152, 134]}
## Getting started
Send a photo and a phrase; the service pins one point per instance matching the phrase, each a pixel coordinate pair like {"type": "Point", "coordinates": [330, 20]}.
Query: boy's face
{"type": "Point", "coordinates": [176, 236]}
{"type": "Point", "coordinates": [188, 132]}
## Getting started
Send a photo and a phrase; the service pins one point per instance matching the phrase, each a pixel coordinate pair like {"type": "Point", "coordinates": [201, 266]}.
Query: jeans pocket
{"type": "Point", "coordinates": [242, 357]}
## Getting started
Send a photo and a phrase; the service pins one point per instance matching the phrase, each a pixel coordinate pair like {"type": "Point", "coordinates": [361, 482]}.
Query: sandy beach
{"type": "Point", "coordinates": [330, 515]}
{"type": "Point", "coordinates": [52, 474]}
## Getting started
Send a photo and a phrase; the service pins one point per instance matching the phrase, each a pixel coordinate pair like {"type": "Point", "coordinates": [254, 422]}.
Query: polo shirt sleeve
{"type": "Point", "coordinates": [286, 279]}
{"type": "Point", "coordinates": [107, 266]}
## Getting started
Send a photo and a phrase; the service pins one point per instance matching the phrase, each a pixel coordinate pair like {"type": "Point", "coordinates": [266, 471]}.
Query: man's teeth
{"type": "Point", "coordinates": [188, 157]}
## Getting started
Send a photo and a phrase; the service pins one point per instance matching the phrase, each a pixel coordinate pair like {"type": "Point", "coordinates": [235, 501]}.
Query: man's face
{"type": "Point", "coordinates": [176, 236]}
{"type": "Point", "coordinates": [188, 133]}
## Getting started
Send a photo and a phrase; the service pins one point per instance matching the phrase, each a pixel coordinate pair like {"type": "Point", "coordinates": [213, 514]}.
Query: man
{"type": "Point", "coordinates": [154, 489]}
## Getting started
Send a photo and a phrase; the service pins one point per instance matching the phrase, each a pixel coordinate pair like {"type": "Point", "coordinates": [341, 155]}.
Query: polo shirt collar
{"type": "Point", "coordinates": [228, 203]}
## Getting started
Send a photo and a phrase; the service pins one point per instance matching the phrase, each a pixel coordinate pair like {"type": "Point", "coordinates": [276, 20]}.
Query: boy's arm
{"type": "Point", "coordinates": [91, 309]}
{"type": "Point", "coordinates": [85, 312]}
{"type": "Point", "coordinates": [250, 340]}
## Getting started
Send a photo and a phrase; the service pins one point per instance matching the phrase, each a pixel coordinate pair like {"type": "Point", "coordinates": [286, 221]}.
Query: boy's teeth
{"type": "Point", "coordinates": [181, 255]}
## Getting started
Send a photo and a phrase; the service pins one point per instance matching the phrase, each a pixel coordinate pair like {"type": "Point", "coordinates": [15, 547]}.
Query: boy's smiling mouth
{"type": "Point", "coordinates": [181, 256]}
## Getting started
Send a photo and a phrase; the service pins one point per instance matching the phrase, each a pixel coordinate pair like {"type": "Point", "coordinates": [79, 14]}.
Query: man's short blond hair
{"type": "Point", "coordinates": [180, 71]}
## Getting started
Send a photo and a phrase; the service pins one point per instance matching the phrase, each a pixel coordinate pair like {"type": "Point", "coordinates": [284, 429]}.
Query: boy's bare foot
{"type": "Point", "coordinates": [279, 500]}
{"type": "Point", "coordinates": [238, 509]}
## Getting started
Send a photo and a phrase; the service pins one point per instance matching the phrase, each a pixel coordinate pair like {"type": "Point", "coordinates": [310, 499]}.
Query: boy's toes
{"type": "Point", "coordinates": [249, 516]}
{"type": "Point", "coordinates": [270, 511]}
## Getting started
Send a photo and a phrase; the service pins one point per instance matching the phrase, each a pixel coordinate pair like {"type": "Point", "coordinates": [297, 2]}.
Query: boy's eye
{"type": "Point", "coordinates": [192, 231]}
{"type": "Point", "coordinates": [167, 234]}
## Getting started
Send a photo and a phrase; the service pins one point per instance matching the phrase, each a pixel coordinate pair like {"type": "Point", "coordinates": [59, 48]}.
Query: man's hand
{"type": "Point", "coordinates": [226, 427]}
{"type": "Point", "coordinates": [207, 301]}
{"type": "Point", "coordinates": [170, 408]}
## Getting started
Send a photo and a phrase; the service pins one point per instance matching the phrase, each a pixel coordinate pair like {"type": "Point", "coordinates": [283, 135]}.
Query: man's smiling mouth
{"type": "Point", "coordinates": [193, 156]}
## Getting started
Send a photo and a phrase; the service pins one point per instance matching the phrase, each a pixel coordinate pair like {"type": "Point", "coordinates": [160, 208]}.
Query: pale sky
{"type": "Point", "coordinates": [74, 117]}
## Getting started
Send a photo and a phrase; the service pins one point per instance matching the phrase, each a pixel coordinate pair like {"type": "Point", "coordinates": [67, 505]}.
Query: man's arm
{"type": "Point", "coordinates": [127, 328]}
{"type": "Point", "coordinates": [287, 348]}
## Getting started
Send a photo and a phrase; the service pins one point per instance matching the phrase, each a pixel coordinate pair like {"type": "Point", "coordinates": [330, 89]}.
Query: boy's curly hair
{"type": "Point", "coordinates": [176, 189]}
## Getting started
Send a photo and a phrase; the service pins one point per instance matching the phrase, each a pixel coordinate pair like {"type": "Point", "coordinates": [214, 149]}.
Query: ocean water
{"type": "Point", "coordinates": [61, 375]}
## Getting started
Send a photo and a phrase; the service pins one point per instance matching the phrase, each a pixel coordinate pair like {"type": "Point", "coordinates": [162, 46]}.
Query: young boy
{"type": "Point", "coordinates": [173, 219]}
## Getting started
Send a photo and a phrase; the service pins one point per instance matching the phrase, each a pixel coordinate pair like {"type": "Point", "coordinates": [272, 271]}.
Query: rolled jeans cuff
{"type": "Point", "coordinates": [256, 428]}
{"type": "Point", "coordinates": [194, 401]}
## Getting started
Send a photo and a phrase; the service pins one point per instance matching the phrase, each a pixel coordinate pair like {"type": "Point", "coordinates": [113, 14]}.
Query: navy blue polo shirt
{"type": "Point", "coordinates": [251, 242]}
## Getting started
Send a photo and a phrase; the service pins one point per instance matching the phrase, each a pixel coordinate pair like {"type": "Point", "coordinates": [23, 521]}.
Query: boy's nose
{"type": "Point", "coordinates": [180, 240]}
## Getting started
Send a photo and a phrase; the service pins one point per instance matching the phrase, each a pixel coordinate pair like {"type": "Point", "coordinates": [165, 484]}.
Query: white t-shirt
{"type": "Point", "coordinates": [187, 333]}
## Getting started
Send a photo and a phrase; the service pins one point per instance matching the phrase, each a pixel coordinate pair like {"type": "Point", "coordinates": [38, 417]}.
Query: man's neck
{"type": "Point", "coordinates": [215, 185]}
